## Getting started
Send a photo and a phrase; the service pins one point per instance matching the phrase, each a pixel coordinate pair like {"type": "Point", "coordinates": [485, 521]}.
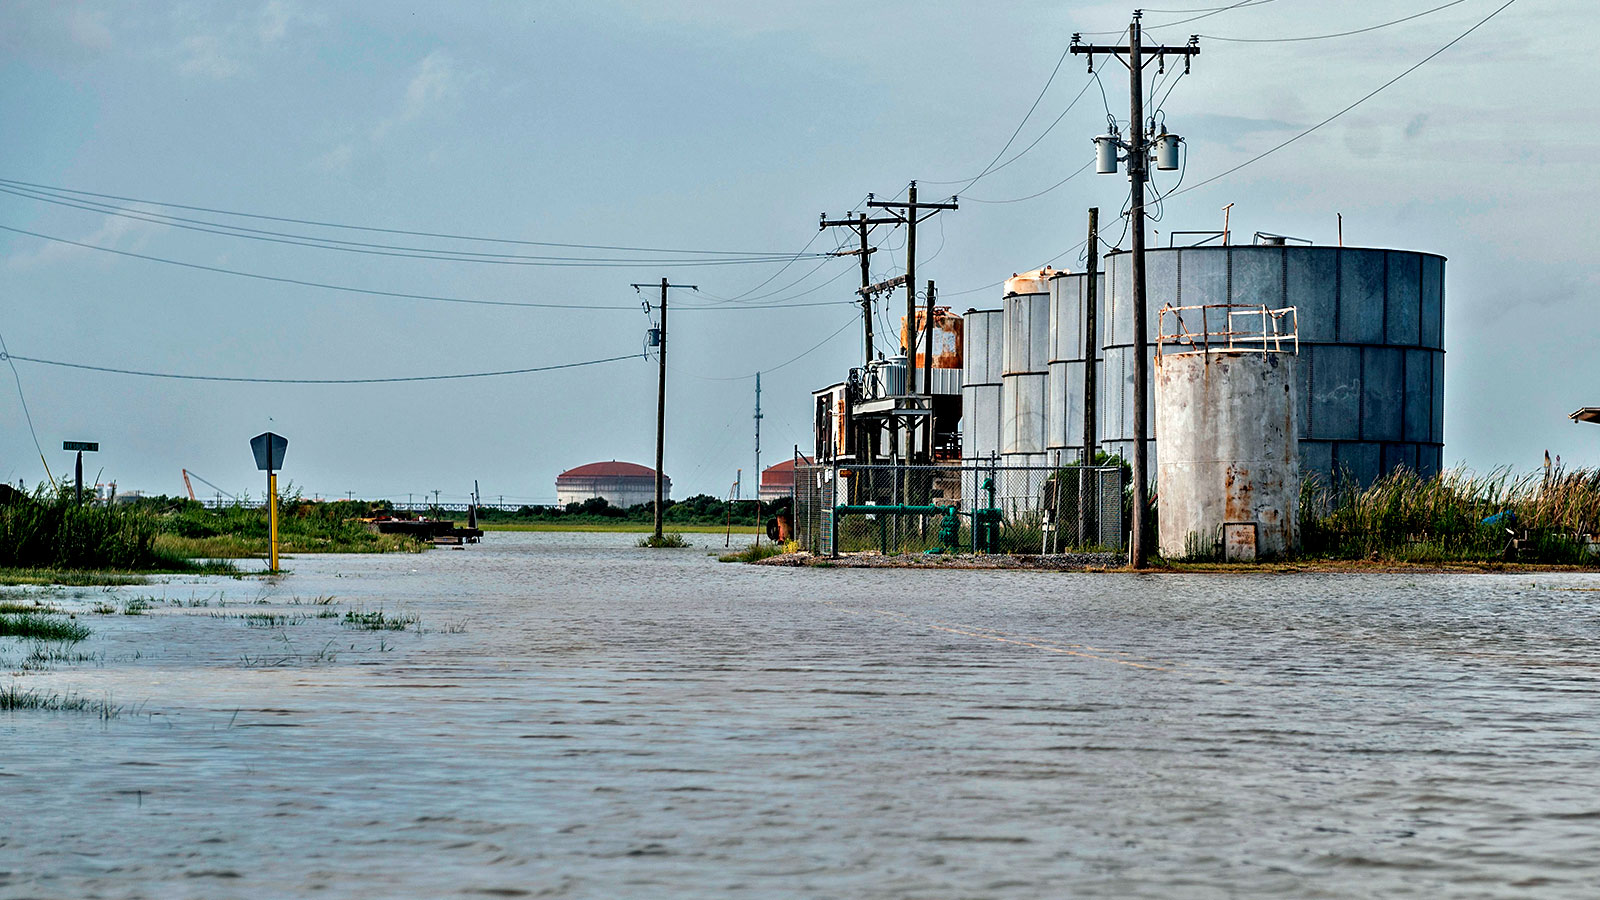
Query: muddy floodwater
{"type": "Point", "coordinates": [568, 716]}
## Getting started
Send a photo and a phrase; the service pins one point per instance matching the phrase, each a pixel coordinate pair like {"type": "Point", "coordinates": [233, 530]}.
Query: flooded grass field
{"type": "Point", "coordinates": [565, 715]}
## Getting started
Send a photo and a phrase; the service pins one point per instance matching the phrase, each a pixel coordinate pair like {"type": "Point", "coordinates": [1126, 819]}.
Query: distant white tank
{"type": "Point", "coordinates": [1228, 478]}
{"type": "Point", "coordinates": [1025, 373]}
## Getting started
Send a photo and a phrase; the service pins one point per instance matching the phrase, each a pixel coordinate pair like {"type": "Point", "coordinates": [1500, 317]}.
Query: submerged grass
{"type": "Point", "coordinates": [42, 627]}
{"type": "Point", "coordinates": [14, 697]}
{"type": "Point", "coordinates": [378, 620]}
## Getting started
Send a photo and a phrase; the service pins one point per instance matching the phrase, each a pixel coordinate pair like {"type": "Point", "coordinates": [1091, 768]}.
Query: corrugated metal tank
{"type": "Point", "coordinates": [1064, 397]}
{"type": "Point", "coordinates": [1024, 392]}
{"type": "Point", "coordinates": [1228, 477]}
{"type": "Point", "coordinates": [980, 382]}
{"type": "Point", "coordinates": [1371, 367]}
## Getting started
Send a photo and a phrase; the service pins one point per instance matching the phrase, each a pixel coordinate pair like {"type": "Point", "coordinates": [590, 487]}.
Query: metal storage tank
{"type": "Point", "coordinates": [1064, 397]}
{"type": "Point", "coordinates": [1371, 365]}
{"type": "Point", "coordinates": [1024, 392]}
{"type": "Point", "coordinates": [1228, 478]}
{"type": "Point", "coordinates": [980, 382]}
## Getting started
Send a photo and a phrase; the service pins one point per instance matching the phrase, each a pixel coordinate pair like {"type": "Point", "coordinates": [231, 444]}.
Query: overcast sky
{"type": "Point", "coordinates": [710, 125]}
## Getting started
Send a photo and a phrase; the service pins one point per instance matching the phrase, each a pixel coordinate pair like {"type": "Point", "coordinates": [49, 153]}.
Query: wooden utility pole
{"type": "Point", "coordinates": [911, 216]}
{"type": "Point", "coordinates": [1138, 149]}
{"type": "Point", "coordinates": [1091, 300]}
{"type": "Point", "coordinates": [863, 226]}
{"type": "Point", "coordinates": [661, 394]}
{"type": "Point", "coordinates": [758, 418]}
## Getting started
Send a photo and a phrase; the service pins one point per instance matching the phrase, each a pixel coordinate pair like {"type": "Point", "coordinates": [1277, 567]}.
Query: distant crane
{"type": "Point", "coordinates": [190, 487]}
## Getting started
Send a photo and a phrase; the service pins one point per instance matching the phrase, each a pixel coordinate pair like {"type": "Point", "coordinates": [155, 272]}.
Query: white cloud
{"type": "Point", "coordinates": [223, 50]}
{"type": "Point", "coordinates": [116, 231]}
{"type": "Point", "coordinates": [437, 78]}
{"type": "Point", "coordinates": [88, 30]}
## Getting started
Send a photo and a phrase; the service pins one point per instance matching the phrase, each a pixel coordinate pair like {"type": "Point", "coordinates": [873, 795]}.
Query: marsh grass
{"type": "Point", "coordinates": [42, 627]}
{"type": "Point", "coordinates": [752, 553]}
{"type": "Point", "coordinates": [668, 540]}
{"type": "Point", "coordinates": [76, 578]}
{"type": "Point", "coordinates": [1405, 517]}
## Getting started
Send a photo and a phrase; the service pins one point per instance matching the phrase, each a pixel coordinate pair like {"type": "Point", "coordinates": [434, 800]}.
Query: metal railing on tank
{"type": "Point", "coordinates": [1227, 328]}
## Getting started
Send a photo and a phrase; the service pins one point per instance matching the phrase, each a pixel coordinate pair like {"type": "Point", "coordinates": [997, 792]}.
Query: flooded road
{"type": "Point", "coordinates": [569, 716]}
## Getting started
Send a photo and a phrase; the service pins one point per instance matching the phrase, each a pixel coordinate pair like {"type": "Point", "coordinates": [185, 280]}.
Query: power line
{"type": "Point", "coordinates": [1419, 64]}
{"type": "Point", "coordinates": [322, 285]}
{"type": "Point", "coordinates": [769, 369]}
{"type": "Point", "coordinates": [401, 252]}
{"type": "Point", "coordinates": [4, 352]}
{"type": "Point", "coordinates": [71, 365]}
{"type": "Point", "coordinates": [1075, 174]}
{"type": "Point", "coordinates": [1042, 135]}
{"type": "Point", "coordinates": [1323, 37]}
{"type": "Point", "coordinates": [370, 228]}
{"type": "Point", "coordinates": [1206, 14]}
{"type": "Point", "coordinates": [1018, 130]}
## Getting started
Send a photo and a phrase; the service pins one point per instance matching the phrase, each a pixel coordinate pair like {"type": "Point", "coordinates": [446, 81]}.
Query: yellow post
{"type": "Point", "coordinates": [272, 514]}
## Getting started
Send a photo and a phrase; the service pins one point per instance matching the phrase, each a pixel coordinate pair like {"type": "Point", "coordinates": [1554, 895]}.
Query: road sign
{"type": "Point", "coordinates": [269, 449]}
{"type": "Point", "coordinates": [90, 446]}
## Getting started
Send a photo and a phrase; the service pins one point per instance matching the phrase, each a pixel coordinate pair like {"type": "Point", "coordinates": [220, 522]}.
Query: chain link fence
{"type": "Point", "coordinates": [972, 507]}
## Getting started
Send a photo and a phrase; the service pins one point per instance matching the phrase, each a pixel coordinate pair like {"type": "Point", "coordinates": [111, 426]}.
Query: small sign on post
{"type": "Point", "coordinates": [269, 449]}
{"type": "Point", "coordinates": [82, 447]}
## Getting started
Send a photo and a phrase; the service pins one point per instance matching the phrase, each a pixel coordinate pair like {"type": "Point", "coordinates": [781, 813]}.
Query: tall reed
{"type": "Point", "coordinates": [1406, 516]}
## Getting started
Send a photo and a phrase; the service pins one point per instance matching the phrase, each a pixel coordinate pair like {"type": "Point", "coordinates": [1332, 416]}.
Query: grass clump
{"type": "Point", "coordinates": [42, 627]}
{"type": "Point", "coordinates": [752, 553]}
{"type": "Point", "coordinates": [13, 698]}
{"type": "Point", "coordinates": [52, 531]}
{"type": "Point", "coordinates": [668, 540]}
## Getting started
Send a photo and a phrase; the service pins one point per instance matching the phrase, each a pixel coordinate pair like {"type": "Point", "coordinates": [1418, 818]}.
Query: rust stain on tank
{"type": "Point", "coordinates": [948, 335]}
{"type": "Point", "coordinates": [1238, 494]}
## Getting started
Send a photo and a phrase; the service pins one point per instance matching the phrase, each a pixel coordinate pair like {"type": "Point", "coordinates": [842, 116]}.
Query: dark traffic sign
{"type": "Point", "coordinates": [91, 446]}
{"type": "Point", "coordinates": [269, 449]}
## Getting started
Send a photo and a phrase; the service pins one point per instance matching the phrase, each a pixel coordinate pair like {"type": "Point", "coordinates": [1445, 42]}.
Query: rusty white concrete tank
{"type": "Point", "coordinates": [1228, 477]}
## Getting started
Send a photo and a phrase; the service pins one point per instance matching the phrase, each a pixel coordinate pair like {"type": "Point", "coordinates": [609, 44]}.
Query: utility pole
{"type": "Point", "coordinates": [661, 394]}
{"type": "Point", "coordinates": [911, 216]}
{"type": "Point", "coordinates": [863, 226]}
{"type": "Point", "coordinates": [758, 458]}
{"type": "Point", "coordinates": [1091, 300]}
{"type": "Point", "coordinates": [1138, 148]}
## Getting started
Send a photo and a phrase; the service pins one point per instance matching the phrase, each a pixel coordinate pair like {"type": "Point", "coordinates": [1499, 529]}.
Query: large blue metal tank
{"type": "Point", "coordinates": [1371, 366]}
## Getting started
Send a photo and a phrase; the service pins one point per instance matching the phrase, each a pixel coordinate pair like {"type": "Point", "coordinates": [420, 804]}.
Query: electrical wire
{"type": "Point", "coordinates": [368, 228]}
{"type": "Point", "coordinates": [71, 365]}
{"type": "Point", "coordinates": [1024, 151]}
{"type": "Point", "coordinates": [1339, 34]}
{"type": "Point", "coordinates": [368, 248]}
{"type": "Point", "coordinates": [6, 353]}
{"type": "Point", "coordinates": [342, 288]}
{"type": "Point", "coordinates": [1075, 174]}
{"type": "Point", "coordinates": [1209, 13]}
{"type": "Point", "coordinates": [818, 346]}
{"type": "Point", "coordinates": [1373, 93]}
